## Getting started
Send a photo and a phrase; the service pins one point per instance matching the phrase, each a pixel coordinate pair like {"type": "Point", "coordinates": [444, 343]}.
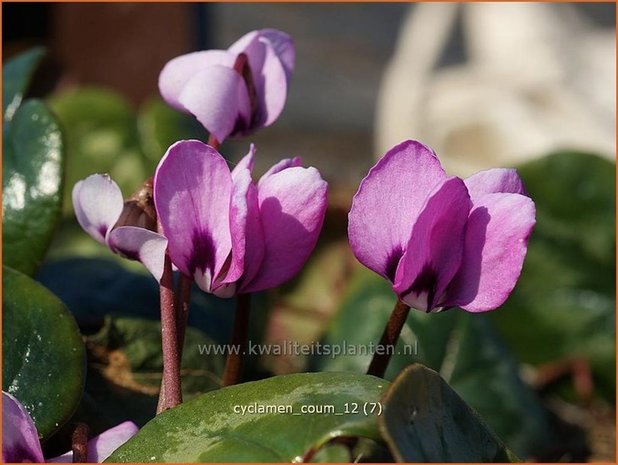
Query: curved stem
{"type": "Point", "coordinates": [79, 443]}
{"type": "Point", "coordinates": [238, 344]}
{"type": "Point", "coordinates": [171, 393]}
{"type": "Point", "coordinates": [386, 346]}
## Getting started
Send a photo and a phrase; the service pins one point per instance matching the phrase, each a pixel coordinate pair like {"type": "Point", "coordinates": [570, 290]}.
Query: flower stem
{"type": "Point", "coordinates": [171, 393]}
{"type": "Point", "coordinates": [79, 443]}
{"type": "Point", "coordinates": [233, 364]}
{"type": "Point", "coordinates": [386, 346]}
{"type": "Point", "coordinates": [213, 142]}
{"type": "Point", "coordinates": [183, 299]}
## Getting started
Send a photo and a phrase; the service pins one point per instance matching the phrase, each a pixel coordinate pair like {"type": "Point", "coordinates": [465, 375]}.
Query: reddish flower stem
{"type": "Point", "coordinates": [79, 443]}
{"type": "Point", "coordinates": [213, 142]}
{"type": "Point", "coordinates": [233, 364]}
{"type": "Point", "coordinates": [386, 346]}
{"type": "Point", "coordinates": [183, 299]}
{"type": "Point", "coordinates": [171, 393]}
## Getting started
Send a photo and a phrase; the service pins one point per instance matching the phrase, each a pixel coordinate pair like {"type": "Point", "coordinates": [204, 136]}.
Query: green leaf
{"type": "Point", "coordinates": [32, 182]}
{"type": "Point", "coordinates": [462, 347]}
{"type": "Point", "coordinates": [424, 420]}
{"type": "Point", "coordinates": [208, 429]}
{"type": "Point", "coordinates": [564, 304]}
{"type": "Point", "coordinates": [160, 126]}
{"type": "Point", "coordinates": [101, 133]}
{"type": "Point", "coordinates": [43, 355]}
{"type": "Point", "coordinates": [16, 75]}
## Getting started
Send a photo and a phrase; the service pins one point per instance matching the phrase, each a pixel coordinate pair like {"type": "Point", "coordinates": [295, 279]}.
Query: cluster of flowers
{"type": "Point", "coordinates": [441, 241]}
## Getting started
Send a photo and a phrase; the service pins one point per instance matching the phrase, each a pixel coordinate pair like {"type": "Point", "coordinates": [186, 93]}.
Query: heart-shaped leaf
{"type": "Point", "coordinates": [16, 75]}
{"type": "Point", "coordinates": [32, 181]}
{"type": "Point", "coordinates": [43, 357]}
{"type": "Point", "coordinates": [462, 347]}
{"type": "Point", "coordinates": [424, 420]}
{"type": "Point", "coordinates": [213, 428]}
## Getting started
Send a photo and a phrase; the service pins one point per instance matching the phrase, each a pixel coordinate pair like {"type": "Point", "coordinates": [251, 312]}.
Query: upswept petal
{"type": "Point", "coordinates": [270, 75]}
{"type": "Point", "coordinates": [283, 46]}
{"type": "Point", "coordinates": [493, 181]}
{"type": "Point", "coordinates": [98, 203]}
{"type": "Point", "coordinates": [20, 440]}
{"type": "Point", "coordinates": [435, 248]}
{"type": "Point", "coordinates": [245, 162]}
{"type": "Point", "coordinates": [497, 234]}
{"type": "Point", "coordinates": [388, 202]}
{"type": "Point", "coordinates": [280, 166]}
{"type": "Point", "coordinates": [292, 207]}
{"type": "Point", "coordinates": [140, 244]}
{"type": "Point", "coordinates": [218, 98]}
{"type": "Point", "coordinates": [101, 447]}
{"type": "Point", "coordinates": [192, 189]}
{"type": "Point", "coordinates": [178, 71]}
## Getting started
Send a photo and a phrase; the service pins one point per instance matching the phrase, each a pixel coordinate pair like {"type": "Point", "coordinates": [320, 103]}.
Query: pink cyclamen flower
{"type": "Point", "coordinates": [229, 94]}
{"type": "Point", "coordinates": [100, 211]}
{"type": "Point", "coordinates": [228, 233]}
{"type": "Point", "coordinates": [20, 440]}
{"type": "Point", "coordinates": [441, 241]}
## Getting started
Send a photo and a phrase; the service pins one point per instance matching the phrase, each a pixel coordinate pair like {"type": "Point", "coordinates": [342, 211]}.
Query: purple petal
{"type": "Point", "coordinates": [177, 72]}
{"type": "Point", "coordinates": [192, 189]}
{"type": "Point", "coordinates": [435, 249]}
{"type": "Point", "coordinates": [292, 207]}
{"type": "Point", "coordinates": [496, 242]}
{"type": "Point", "coordinates": [388, 203]}
{"type": "Point", "coordinates": [493, 181]}
{"type": "Point", "coordinates": [140, 244]}
{"type": "Point", "coordinates": [246, 162]}
{"type": "Point", "coordinates": [218, 98]}
{"type": "Point", "coordinates": [98, 202]}
{"type": "Point", "coordinates": [20, 440]}
{"type": "Point", "coordinates": [101, 447]}
{"type": "Point", "coordinates": [280, 166]}
{"type": "Point", "coordinates": [270, 75]}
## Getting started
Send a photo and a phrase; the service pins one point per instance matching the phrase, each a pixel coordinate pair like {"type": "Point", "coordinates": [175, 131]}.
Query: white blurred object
{"type": "Point", "coordinates": [538, 78]}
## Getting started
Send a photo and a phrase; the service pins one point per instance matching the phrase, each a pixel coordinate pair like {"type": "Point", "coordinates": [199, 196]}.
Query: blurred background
{"type": "Point", "coordinates": [518, 84]}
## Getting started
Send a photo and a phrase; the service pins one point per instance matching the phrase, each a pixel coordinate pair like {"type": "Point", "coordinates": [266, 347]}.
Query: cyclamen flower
{"type": "Point", "coordinates": [20, 440]}
{"type": "Point", "coordinates": [102, 213]}
{"type": "Point", "coordinates": [228, 233]}
{"type": "Point", "coordinates": [441, 241]}
{"type": "Point", "coordinates": [234, 91]}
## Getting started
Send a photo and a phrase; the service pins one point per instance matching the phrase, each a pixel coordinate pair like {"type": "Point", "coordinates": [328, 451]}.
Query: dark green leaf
{"type": "Point", "coordinates": [16, 75]}
{"type": "Point", "coordinates": [32, 182]}
{"type": "Point", "coordinates": [207, 429]}
{"type": "Point", "coordinates": [564, 304]}
{"type": "Point", "coordinates": [424, 420]}
{"type": "Point", "coordinates": [43, 356]}
{"type": "Point", "coordinates": [462, 347]}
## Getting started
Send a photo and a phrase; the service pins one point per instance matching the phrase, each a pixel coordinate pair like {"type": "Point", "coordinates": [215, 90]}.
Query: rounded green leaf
{"type": "Point", "coordinates": [43, 357]}
{"type": "Point", "coordinates": [212, 427]}
{"type": "Point", "coordinates": [424, 420]}
{"type": "Point", "coordinates": [16, 75]}
{"type": "Point", "coordinates": [32, 181]}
